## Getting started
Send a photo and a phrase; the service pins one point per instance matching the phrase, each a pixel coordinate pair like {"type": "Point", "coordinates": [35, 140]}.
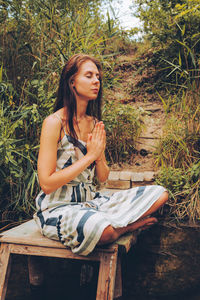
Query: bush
{"type": "Point", "coordinates": [36, 40]}
{"type": "Point", "coordinates": [173, 27]}
{"type": "Point", "coordinates": [123, 125]}
{"type": "Point", "coordinates": [178, 155]}
{"type": "Point", "coordinates": [184, 189]}
{"type": "Point", "coordinates": [19, 134]}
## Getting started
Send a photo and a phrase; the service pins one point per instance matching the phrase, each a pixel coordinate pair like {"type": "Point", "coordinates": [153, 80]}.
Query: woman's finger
{"type": "Point", "coordinates": [96, 131]}
{"type": "Point", "coordinates": [89, 137]}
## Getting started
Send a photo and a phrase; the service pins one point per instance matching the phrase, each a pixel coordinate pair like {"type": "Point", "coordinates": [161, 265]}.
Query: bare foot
{"type": "Point", "coordinates": [142, 224]}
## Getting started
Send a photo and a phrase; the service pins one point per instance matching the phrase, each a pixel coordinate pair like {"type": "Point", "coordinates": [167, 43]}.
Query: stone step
{"type": "Point", "coordinates": [128, 179]}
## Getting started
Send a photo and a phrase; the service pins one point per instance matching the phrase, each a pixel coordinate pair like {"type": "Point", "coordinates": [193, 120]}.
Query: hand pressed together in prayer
{"type": "Point", "coordinates": [96, 142]}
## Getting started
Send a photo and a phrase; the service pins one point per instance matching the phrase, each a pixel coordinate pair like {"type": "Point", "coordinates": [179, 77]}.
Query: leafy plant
{"type": "Point", "coordinates": [123, 125]}
{"type": "Point", "coordinates": [37, 38]}
{"type": "Point", "coordinates": [18, 153]}
{"type": "Point", "coordinates": [184, 188]}
{"type": "Point", "coordinates": [178, 155]}
{"type": "Point", "coordinates": [173, 27]}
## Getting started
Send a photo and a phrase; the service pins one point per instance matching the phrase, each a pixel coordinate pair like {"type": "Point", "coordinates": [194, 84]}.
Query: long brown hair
{"type": "Point", "coordinates": [66, 97]}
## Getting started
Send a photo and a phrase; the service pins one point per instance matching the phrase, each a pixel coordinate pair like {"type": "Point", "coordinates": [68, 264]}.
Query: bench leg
{"type": "Point", "coordinates": [36, 270]}
{"type": "Point", "coordinates": [5, 264]}
{"type": "Point", "coordinates": [106, 279]}
{"type": "Point", "coordinates": [118, 280]}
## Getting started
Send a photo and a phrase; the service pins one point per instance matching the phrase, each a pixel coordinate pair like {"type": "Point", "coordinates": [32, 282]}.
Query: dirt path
{"type": "Point", "coordinates": [134, 89]}
{"type": "Point", "coordinates": [150, 136]}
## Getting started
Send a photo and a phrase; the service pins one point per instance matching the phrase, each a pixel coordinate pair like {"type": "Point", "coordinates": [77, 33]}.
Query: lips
{"type": "Point", "coordinates": [95, 90]}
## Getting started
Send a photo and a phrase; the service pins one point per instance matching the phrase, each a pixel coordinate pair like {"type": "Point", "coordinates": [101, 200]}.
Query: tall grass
{"type": "Point", "coordinates": [178, 154]}
{"type": "Point", "coordinates": [36, 40]}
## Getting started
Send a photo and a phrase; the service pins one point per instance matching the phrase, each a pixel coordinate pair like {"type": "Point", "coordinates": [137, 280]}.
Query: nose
{"type": "Point", "coordinates": [95, 79]}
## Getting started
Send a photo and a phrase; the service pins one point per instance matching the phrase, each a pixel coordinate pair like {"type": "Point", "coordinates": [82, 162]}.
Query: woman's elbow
{"type": "Point", "coordinates": [102, 180]}
{"type": "Point", "coordinates": [103, 177]}
{"type": "Point", "coordinates": [47, 189]}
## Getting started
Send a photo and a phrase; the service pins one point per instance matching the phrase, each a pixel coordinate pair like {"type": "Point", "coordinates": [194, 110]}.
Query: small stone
{"type": "Point", "coordinates": [143, 152]}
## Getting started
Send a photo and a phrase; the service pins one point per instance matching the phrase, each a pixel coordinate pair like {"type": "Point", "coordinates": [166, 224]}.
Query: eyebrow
{"type": "Point", "coordinates": [90, 72]}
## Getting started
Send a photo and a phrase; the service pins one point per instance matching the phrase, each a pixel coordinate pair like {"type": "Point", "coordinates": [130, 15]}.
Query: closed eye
{"type": "Point", "coordinates": [90, 75]}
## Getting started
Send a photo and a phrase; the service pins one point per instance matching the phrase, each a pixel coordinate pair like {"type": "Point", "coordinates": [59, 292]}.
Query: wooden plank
{"type": "Point", "coordinates": [5, 264]}
{"type": "Point", "coordinates": [126, 241]}
{"type": "Point", "coordinates": [107, 272]}
{"type": "Point", "coordinates": [21, 229]}
{"type": "Point", "coordinates": [33, 239]}
{"type": "Point", "coordinates": [28, 234]}
{"type": "Point", "coordinates": [56, 252]}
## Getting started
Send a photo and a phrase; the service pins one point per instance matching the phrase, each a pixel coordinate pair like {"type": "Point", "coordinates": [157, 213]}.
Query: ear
{"type": "Point", "coordinates": [72, 84]}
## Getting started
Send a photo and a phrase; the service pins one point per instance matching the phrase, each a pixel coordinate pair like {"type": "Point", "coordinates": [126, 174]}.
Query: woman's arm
{"type": "Point", "coordinates": [102, 169]}
{"type": "Point", "coordinates": [49, 179]}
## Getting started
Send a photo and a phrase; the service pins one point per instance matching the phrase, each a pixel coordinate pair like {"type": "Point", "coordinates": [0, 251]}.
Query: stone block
{"type": "Point", "coordinates": [118, 184]}
{"type": "Point", "coordinates": [125, 175]}
{"type": "Point", "coordinates": [113, 175]}
{"type": "Point", "coordinates": [149, 176]}
{"type": "Point", "coordinates": [137, 177]}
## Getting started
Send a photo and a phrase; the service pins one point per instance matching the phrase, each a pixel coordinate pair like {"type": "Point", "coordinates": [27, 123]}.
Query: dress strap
{"type": "Point", "coordinates": [59, 118]}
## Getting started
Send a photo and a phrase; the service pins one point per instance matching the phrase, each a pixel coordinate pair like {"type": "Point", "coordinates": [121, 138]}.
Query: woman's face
{"type": "Point", "coordinates": [86, 82]}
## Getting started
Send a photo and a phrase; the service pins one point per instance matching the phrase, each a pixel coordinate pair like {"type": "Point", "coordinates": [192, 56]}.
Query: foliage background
{"type": "Point", "coordinates": [173, 29]}
{"type": "Point", "coordinates": [36, 38]}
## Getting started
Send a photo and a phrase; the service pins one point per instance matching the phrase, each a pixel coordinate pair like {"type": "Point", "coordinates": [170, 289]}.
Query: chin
{"type": "Point", "coordinates": [92, 99]}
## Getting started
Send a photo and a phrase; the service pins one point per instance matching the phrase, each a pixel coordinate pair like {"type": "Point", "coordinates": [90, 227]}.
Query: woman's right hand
{"type": "Point", "coordinates": [96, 141]}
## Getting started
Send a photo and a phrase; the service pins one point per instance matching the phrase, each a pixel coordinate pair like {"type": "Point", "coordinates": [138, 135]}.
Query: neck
{"type": "Point", "coordinates": [81, 110]}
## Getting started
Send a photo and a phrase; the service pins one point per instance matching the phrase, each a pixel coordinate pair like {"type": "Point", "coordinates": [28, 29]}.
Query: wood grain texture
{"type": "Point", "coordinates": [107, 272]}
{"type": "Point", "coordinates": [5, 264]}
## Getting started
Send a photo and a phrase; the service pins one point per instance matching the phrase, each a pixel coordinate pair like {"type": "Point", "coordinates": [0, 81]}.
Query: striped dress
{"type": "Point", "coordinates": [77, 215]}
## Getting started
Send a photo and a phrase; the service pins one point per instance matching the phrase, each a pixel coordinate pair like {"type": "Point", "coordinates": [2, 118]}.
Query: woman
{"type": "Point", "coordinates": [72, 148]}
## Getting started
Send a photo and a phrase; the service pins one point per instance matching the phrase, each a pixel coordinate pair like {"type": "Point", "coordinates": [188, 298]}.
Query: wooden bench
{"type": "Point", "coordinates": [26, 239]}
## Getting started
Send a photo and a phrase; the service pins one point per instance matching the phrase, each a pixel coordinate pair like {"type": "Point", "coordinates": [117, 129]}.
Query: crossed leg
{"type": "Point", "coordinates": [111, 234]}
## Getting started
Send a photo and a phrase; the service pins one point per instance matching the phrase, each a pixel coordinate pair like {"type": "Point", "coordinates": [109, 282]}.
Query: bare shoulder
{"type": "Point", "coordinates": [52, 121]}
{"type": "Point", "coordinates": [51, 126]}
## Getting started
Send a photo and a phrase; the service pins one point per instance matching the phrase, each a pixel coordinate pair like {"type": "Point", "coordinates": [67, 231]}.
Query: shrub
{"type": "Point", "coordinates": [123, 125]}
{"type": "Point", "coordinates": [184, 189]}
{"type": "Point", "coordinates": [178, 155]}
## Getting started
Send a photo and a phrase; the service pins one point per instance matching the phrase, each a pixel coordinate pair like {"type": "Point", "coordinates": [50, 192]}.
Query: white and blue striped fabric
{"type": "Point", "coordinates": [77, 215]}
